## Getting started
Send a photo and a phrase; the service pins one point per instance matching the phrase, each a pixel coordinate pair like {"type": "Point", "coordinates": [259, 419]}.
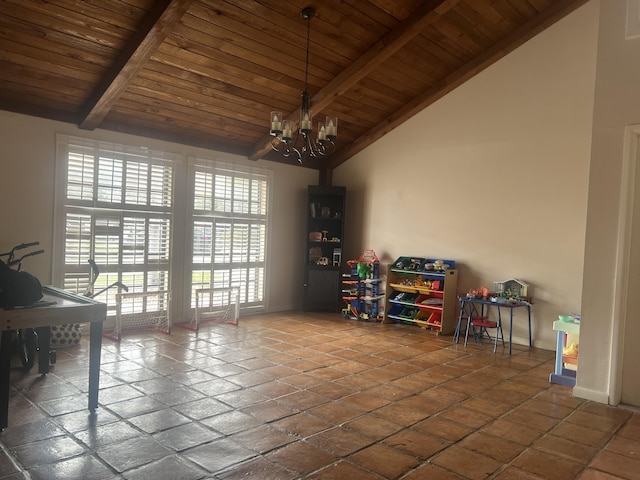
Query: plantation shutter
{"type": "Point", "coordinates": [118, 210]}
{"type": "Point", "coordinates": [229, 231]}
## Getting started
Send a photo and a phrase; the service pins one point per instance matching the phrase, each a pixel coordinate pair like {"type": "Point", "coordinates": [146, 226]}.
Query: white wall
{"type": "Point", "coordinates": [494, 175]}
{"type": "Point", "coordinates": [27, 162]}
{"type": "Point", "coordinates": [617, 104]}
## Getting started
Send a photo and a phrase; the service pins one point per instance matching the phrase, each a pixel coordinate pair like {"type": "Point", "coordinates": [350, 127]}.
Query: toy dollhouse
{"type": "Point", "coordinates": [512, 289]}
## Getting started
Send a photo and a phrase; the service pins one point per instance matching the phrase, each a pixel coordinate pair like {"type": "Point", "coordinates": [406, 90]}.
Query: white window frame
{"type": "Point", "coordinates": [126, 221]}
{"type": "Point", "coordinates": [231, 270]}
{"type": "Point", "coordinates": [181, 216]}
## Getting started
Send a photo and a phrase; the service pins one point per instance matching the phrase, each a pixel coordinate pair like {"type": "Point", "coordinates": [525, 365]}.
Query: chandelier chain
{"type": "Point", "coordinates": [306, 71]}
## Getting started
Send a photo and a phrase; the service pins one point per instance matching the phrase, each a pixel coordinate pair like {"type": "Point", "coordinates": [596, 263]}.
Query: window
{"type": "Point", "coordinates": [229, 231]}
{"type": "Point", "coordinates": [117, 209]}
{"type": "Point", "coordinates": [122, 205]}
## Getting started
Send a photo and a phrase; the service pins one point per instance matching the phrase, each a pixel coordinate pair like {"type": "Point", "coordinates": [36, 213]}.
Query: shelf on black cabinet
{"type": "Point", "coordinates": [314, 266]}
{"type": "Point", "coordinates": [324, 222]}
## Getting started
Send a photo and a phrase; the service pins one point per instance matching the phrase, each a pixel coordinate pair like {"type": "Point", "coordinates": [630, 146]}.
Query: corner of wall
{"type": "Point", "coordinates": [589, 394]}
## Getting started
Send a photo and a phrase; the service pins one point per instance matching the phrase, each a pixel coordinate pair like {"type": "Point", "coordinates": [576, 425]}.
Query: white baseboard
{"type": "Point", "coordinates": [525, 341]}
{"type": "Point", "coordinates": [589, 394]}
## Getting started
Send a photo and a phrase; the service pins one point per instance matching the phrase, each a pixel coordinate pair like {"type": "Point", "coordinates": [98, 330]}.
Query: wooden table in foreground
{"type": "Point", "coordinates": [61, 308]}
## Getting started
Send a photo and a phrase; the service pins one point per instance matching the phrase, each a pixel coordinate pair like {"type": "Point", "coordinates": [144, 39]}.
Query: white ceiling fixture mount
{"type": "Point", "coordinates": [300, 142]}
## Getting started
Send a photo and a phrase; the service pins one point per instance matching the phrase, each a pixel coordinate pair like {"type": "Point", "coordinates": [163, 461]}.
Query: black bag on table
{"type": "Point", "coordinates": [18, 289]}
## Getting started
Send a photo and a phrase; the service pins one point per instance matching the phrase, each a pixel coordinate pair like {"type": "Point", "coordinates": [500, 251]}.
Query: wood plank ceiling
{"type": "Point", "coordinates": [208, 72]}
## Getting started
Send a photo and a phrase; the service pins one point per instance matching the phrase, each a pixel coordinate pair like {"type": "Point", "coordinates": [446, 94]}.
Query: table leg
{"type": "Point", "coordinates": [562, 376]}
{"type": "Point", "coordinates": [44, 343]}
{"type": "Point", "coordinates": [559, 351]}
{"type": "Point", "coordinates": [5, 365]}
{"type": "Point", "coordinates": [469, 318]}
{"type": "Point", "coordinates": [529, 318]}
{"type": "Point", "coordinates": [456, 335]}
{"type": "Point", "coordinates": [498, 328]}
{"type": "Point", "coordinates": [510, 329]}
{"type": "Point", "coordinates": [95, 347]}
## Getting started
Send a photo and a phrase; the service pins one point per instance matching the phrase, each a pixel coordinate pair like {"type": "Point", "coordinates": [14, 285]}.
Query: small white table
{"type": "Point", "coordinates": [562, 375]}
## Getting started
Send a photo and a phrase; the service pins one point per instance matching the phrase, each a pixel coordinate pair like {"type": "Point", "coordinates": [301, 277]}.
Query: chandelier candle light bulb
{"type": "Point", "coordinates": [305, 124]}
{"type": "Point", "coordinates": [322, 132]}
{"type": "Point", "coordinates": [276, 124]}
{"type": "Point", "coordinates": [332, 127]}
{"type": "Point", "coordinates": [286, 131]}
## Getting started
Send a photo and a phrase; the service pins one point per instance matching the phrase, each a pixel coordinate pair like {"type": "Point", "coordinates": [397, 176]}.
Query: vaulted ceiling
{"type": "Point", "coordinates": [209, 72]}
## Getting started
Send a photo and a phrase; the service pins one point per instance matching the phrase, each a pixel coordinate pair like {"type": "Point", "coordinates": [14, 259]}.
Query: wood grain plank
{"type": "Point", "coordinates": [150, 34]}
{"type": "Point", "coordinates": [331, 41]}
{"type": "Point", "coordinates": [17, 98]}
{"type": "Point", "coordinates": [398, 10]}
{"type": "Point", "coordinates": [74, 20]}
{"type": "Point", "coordinates": [481, 31]}
{"type": "Point", "coordinates": [225, 72]}
{"type": "Point", "coordinates": [175, 79]}
{"type": "Point", "coordinates": [252, 58]}
{"type": "Point", "coordinates": [16, 31]}
{"type": "Point", "coordinates": [336, 25]}
{"type": "Point", "coordinates": [509, 12]}
{"type": "Point", "coordinates": [389, 18]}
{"type": "Point", "coordinates": [408, 68]}
{"type": "Point", "coordinates": [375, 56]}
{"type": "Point", "coordinates": [519, 36]}
{"type": "Point", "coordinates": [189, 119]}
{"type": "Point", "coordinates": [37, 59]}
{"type": "Point", "coordinates": [464, 42]}
{"type": "Point", "coordinates": [242, 114]}
{"type": "Point", "coordinates": [46, 82]}
{"type": "Point", "coordinates": [524, 7]}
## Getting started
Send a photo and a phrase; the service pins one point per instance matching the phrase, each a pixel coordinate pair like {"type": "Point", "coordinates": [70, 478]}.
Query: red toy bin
{"type": "Point", "coordinates": [429, 319]}
{"type": "Point", "coordinates": [429, 302]}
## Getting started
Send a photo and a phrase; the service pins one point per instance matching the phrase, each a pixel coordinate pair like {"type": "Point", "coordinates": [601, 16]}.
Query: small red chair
{"type": "Point", "coordinates": [479, 325]}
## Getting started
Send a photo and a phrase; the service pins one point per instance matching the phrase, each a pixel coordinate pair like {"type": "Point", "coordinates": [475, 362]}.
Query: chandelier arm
{"type": "Point", "coordinates": [276, 144]}
{"type": "Point", "coordinates": [287, 149]}
{"type": "Point", "coordinates": [320, 149]}
{"type": "Point", "coordinates": [332, 144]}
{"type": "Point", "coordinates": [310, 145]}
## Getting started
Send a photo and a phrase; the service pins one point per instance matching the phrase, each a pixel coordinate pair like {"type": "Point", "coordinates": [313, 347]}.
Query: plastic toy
{"type": "Point", "coordinates": [361, 289]}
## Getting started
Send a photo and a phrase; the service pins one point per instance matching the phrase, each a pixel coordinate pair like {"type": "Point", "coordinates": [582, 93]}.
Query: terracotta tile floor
{"type": "Point", "coordinates": [315, 396]}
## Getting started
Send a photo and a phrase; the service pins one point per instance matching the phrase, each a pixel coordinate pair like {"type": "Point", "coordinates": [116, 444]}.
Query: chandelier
{"type": "Point", "coordinates": [286, 139]}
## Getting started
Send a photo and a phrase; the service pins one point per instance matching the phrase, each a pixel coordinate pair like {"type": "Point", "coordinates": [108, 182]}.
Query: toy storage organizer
{"type": "Point", "coordinates": [362, 291]}
{"type": "Point", "coordinates": [422, 292]}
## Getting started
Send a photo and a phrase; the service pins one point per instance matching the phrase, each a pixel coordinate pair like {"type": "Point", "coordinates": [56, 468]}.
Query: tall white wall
{"type": "Point", "coordinates": [27, 162]}
{"type": "Point", "coordinates": [617, 105]}
{"type": "Point", "coordinates": [494, 175]}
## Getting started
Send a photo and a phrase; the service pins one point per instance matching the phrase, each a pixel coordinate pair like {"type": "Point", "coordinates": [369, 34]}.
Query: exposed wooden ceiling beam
{"type": "Point", "coordinates": [156, 26]}
{"type": "Point", "coordinates": [530, 29]}
{"type": "Point", "coordinates": [373, 58]}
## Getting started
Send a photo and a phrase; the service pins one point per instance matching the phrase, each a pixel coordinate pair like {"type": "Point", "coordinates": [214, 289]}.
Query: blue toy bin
{"type": "Point", "coordinates": [410, 264]}
{"type": "Point", "coordinates": [424, 266]}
